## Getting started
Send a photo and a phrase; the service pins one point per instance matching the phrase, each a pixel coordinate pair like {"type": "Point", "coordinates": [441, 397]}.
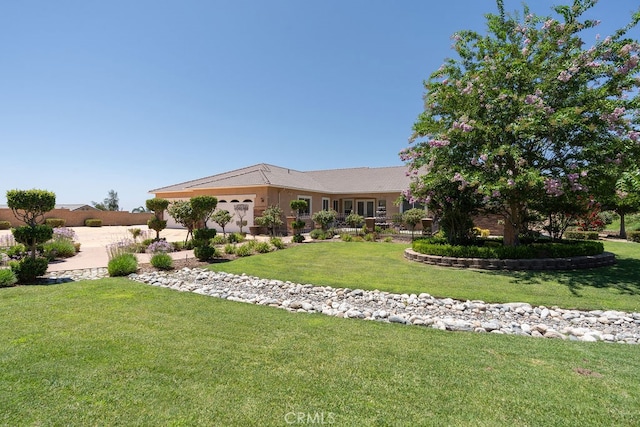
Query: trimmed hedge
{"type": "Point", "coordinates": [55, 222]}
{"type": "Point", "coordinates": [93, 222]}
{"type": "Point", "coordinates": [5, 225]}
{"type": "Point", "coordinates": [633, 236]}
{"type": "Point", "coordinates": [581, 235]}
{"type": "Point", "coordinates": [564, 249]}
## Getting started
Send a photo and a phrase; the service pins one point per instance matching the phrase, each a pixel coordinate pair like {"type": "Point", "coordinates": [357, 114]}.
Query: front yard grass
{"type": "Point", "coordinates": [116, 352]}
{"type": "Point", "coordinates": [382, 266]}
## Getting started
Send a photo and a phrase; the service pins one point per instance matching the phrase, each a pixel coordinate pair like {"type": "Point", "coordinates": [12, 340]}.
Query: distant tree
{"type": "Point", "coordinates": [298, 225]}
{"type": "Point", "coordinates": [271, 218]}
{"type": "Point", "coordinates": [222, 218]}
{"type": "Point", "coordinates": [111, 203]}
{"type": "Point", "coordinates": [412, 218]}
{"type": "Point", "coordinates": [157, 223]}
{"type": "Point", "coordinates": [139, 209]}
{"type": "Point", "coordinates": [354, 220]}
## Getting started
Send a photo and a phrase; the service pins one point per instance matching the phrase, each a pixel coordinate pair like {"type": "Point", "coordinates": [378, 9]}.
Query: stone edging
{"type": "Point", "coordinates": [574, 263]}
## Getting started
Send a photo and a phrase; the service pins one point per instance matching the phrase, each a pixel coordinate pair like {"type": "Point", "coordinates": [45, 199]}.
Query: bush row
{"type": "Point", "coordinates": [565, 249]}
{"type": "Point", "coordinates": [633, 236]}
{"type": "Point", "coordinates": [581, 235]}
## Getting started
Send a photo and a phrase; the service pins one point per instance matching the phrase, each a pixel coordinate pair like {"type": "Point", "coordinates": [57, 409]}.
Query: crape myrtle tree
{"type": "Point", "coordinates": [527, 113]}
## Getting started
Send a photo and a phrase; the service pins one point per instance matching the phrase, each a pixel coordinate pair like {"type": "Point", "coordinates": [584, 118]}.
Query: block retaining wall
{"type": "Point", "coordinates": [77, 218]}
{"type": "Point", "coordinates": [544, 264]}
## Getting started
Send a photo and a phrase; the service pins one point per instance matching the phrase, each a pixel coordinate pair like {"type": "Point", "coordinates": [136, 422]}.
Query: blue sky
{"type": "Point", "coordinates": [133, 95]}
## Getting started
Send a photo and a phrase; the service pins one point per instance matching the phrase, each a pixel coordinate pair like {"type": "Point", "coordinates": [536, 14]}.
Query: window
{"type": "Point", "coordinates": [336, 205]}
{"type": "Point", "coordinates": [406, 205]}
{"type": "Point", "coordinates": [348, 207]}
{"type": "Point", "coordinates": [307, 210]}
{"type": "Point", "coordinates": [365, 208]}
{"type": "Point", "coordinates": [325, 204]}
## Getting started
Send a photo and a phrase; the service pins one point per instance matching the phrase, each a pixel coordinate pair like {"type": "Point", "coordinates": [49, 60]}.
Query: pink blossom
{"type": "Point", "coordinates": [634, 135]}
{"type": "Point", "coordinates": [484, 157]}
{"type": "Point", "coordinates": [564, 76]}
{"type": "Point", "coordinates": [553, 187]}
{"type": "Point", "coordinates": [511, 182]}
{"type": "Point", "coordinates": [435, 143]}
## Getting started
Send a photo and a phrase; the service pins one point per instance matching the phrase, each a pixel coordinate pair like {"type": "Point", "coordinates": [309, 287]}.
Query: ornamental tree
{"type": "Point", "coordinates": [222, 218]}
{"type": "Point", "coordinates": [182, 213]}
{"type": "Point", "coordinates": [203, 207]}
{"type": "Point", "coordinates": [30, 207]}
{"type": "Point", "coordinates": [157, 206]}
{"type": "Point", "coordinates": [526, 113]}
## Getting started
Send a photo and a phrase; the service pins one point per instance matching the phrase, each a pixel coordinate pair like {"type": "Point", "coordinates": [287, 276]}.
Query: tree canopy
{"type": "Point", "coordinates": [528, 113]}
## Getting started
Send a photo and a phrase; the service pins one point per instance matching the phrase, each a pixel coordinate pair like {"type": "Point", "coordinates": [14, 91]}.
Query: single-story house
{"type": "Point", "coordinates": [370, 192]}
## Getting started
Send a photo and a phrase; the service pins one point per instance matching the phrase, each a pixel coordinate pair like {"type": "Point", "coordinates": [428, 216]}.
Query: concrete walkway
{"type": "Point", "coordinates": [94, 241]}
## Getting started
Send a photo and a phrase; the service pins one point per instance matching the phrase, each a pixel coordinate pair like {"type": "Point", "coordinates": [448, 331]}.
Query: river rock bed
{"type": "Point", "coordinates": [421, 310]}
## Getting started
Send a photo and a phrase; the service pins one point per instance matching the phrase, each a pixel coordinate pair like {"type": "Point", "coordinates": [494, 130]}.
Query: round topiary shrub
{"type": "Point", "coordinates": [5, 225]}
{"type": "Point", "coordinates": [93, 222]}
{"type": "Point", "coordinates": [204, 253]}
{"type": "Point", "coordinates": [162, 260]}
{"type": "Point", "coordinates": [28, 269]}
{"type": "Point", "coordinates": [122, 265]}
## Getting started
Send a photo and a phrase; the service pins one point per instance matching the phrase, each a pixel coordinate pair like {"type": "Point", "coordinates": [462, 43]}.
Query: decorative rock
{"type": "Point", "coordinates": [517, 318]}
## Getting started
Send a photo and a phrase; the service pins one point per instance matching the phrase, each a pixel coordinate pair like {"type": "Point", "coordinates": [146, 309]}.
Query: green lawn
{"type": "Point", "coordinates": [115, 352]}
{"type": "Point", "coordinates": [382, 266]}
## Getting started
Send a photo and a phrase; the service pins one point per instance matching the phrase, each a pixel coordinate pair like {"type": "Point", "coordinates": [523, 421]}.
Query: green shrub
{"type": "Point", "coordinates": [93, 222]}
{"type": "Point", "coordinates": [370, 237]}
{"type": "Point", "coordinates": [218, 240]}
{"type": "Point", "coordinates": [262, 247]}
{"type": "Point", "coordinates": [7, 278]}
{"type": "Point", "coordinates": [28, 269]}
{"type": "Point", "coordinates": [204, 253]}
{"type": "Point", "coordinates": [278, 243]}
{"type": "Point", "coordinates": [346, 237]}
{"type": "Point", "coordinates": [16, 251]}
{"type": "Point", "coordinates": [388, 239]}
{"type": "Point", "coordinates": [235, 238]}
{"type": "Point", "coordinates": [297, 238]}
{"type": "Point", "coordinates": [55, 222]}
{"type": "Point", "coordinates": [318, 234]}
{"type": "Point", "coordinates": [122, 265]}
{"type": "Point", "coordinates": [229, 249]}
{"type": "Point", "coordinates": [25, 234]}
{"type": "Point", "coordinates": [162, 260]}
{"type": "Point", "coordinates": [59, 248]}
{"type": "Point", "coordinates": [633, 236]}
{"type": "Point", "coordinates": [581, 235]}
{"type": "Point", "coordinates": [5, 225]}
{"type": "Point", "coordinates": [244, 250]}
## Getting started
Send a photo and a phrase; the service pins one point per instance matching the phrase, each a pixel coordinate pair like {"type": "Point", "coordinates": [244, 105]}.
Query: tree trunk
{"type": "Point", "coordinates": [623, 231]}
{"type": "Point", "coordinates": [512, 225]}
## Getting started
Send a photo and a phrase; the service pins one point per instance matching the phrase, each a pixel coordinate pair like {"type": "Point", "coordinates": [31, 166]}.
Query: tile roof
{"type": "Point", "coordinates": [350, 180]}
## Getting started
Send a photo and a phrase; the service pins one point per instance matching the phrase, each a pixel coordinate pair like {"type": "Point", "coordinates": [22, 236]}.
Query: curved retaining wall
{"type": "Point", "coordinates": [580, 262]}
